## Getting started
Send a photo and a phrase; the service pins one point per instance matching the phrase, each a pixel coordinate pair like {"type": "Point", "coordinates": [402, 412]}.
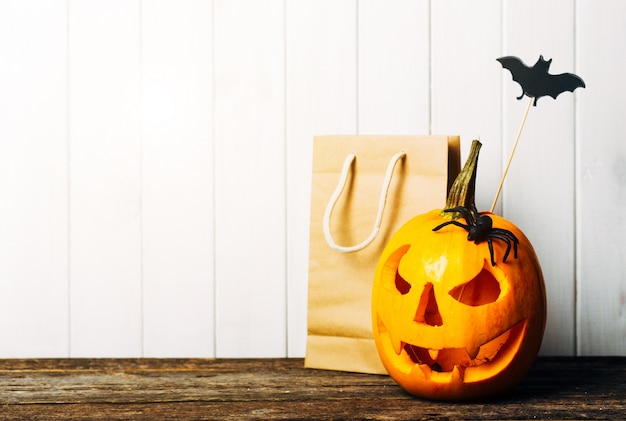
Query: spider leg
{"type": "Point", "coordinates": [467, 214]}
{"type": "Point", "coordinates": [506, 239]}
{"type": "Point", "coordinates": [457, 223]}
{"type": "Point", "coordinates": [508, 234]}
{"type": "Point", "coordinates": [474, 213]}
{"type": "Point", "coordinates": [490, 244]}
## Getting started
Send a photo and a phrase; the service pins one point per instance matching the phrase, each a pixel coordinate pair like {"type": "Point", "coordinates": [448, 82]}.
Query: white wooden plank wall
{"type": "Point", "coordinates": [601, 180]}
{"type": "Point", "coordinates": [178, 179]}
{"type": "Point", "coordinates": [155, 159]}
{"type": "Point", "coordinates": [34, 170]}
{"type": "Point", "coordinates": [250, 199]}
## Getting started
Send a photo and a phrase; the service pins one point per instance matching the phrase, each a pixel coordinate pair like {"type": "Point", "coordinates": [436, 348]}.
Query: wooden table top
{"type": "Point", "coordinates": [223, 389]}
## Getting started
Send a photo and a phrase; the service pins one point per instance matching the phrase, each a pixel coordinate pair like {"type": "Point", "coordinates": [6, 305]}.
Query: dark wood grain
{"type": "Point", "coordinates": [95, 389]}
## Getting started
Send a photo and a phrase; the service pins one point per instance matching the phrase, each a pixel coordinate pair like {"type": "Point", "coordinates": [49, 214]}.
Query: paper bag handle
{"type": "Point", "coordinates": [347, 165]}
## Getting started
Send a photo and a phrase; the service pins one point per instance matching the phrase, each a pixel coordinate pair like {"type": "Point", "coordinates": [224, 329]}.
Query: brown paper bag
{"type": "Point", "coordinates": [381, 189]}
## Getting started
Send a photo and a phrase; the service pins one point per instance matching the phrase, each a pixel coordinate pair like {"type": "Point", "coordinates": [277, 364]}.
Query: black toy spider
{"type": "Point", "coordinates": [480, 228]}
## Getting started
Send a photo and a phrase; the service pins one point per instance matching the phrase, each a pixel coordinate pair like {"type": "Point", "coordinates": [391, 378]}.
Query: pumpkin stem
{"type": "Point", "coordinates": [463, 190]}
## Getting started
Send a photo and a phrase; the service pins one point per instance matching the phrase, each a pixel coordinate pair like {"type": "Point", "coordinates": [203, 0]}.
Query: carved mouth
{"type": "Point", "coordinates": [459, 362]}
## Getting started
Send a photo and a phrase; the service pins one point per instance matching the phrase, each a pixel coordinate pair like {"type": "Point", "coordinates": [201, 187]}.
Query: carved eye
{"type": "Point", "coordinates": [390, 272]}
{"type": "Point", "coordinates": [402, 285]}
{"type": "Point", "coordinates": [481, 290]}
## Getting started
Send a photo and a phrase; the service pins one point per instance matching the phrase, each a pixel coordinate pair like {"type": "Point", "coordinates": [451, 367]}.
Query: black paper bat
{"type": "Point", "coordinates": [536, 81]}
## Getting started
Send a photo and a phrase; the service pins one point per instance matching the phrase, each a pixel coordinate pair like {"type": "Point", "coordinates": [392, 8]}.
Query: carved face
{"type": "Point", "coordinates": [449, 325]}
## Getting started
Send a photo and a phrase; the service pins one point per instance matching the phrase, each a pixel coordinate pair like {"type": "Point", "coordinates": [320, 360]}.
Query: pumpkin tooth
{"type": "Point", "coordinates": [458, 373]}
{"type": "Point", "coordinates": [473, 352]}
{"type": "Point", "coordinates": [434, 353]}
{"type": "Point", "coordinates": [421, 371]}
{"type": "Point", "coordinates": [396, 343]}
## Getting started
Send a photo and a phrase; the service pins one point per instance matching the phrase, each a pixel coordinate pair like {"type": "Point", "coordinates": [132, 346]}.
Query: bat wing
{"type": "Point", "coordinates": [521, 73]}
{"type": "Point", "coordinates": [536, 81]}
{"type": "Point", "coordinates": [557, 84]}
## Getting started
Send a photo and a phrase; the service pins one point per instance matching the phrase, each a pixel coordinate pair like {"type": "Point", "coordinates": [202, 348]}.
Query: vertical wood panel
{"type": "Point", "coordinates": [602, 179]}
{"type": "Point", "coordinates": [105, 240]}
{"type": "Point", "coordinates": [177, 179]}
{"type": "Point", "coordinates": [538, 194]}
{"type": "Point", "coordinates": [33, 179]}
{"type": "Point", "coordinates": [321, 99]}
{"type": "Point", "coordinates": [250, 178]}
{"type": "Point", "coordinates": [394, 67]}
{"type": "Point", "coordinates": [466, 40]}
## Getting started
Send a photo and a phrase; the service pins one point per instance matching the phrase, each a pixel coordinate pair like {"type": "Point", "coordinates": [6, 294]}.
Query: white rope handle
{"type": "Point", "coordinates": [347, 164]}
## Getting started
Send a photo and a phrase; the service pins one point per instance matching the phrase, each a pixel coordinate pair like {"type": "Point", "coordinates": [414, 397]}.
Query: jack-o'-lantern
{"type": "Point", "coordinates": [458, 309]}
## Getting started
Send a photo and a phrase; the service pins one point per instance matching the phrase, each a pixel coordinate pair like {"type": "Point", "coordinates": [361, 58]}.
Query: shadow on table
{"type": "Point", "coordinates": [568, 377]}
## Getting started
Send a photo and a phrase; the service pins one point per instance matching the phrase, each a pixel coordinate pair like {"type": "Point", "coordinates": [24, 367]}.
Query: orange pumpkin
{"type": "Point", "coordinates": [448, 324]}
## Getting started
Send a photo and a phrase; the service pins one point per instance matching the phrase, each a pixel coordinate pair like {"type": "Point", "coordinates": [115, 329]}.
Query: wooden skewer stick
{"type": "Point", "coordinates": [508, 164]}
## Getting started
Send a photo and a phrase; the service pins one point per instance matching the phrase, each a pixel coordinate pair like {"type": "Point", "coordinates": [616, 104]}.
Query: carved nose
{"type": "Point", "coordinates": [427, 309]}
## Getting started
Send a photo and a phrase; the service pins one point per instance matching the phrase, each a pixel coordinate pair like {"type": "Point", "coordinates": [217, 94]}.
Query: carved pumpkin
{"type": "Point", "coordinates": [448, 323]}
